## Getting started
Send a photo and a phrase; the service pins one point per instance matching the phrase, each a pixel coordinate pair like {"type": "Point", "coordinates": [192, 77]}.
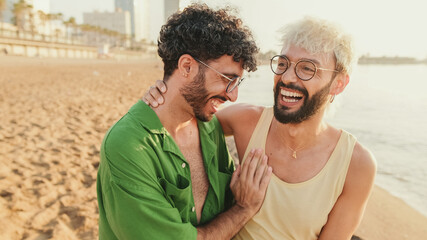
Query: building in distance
{"type": "Point", "coordinates": [119, 21]}
{"type": "Point", "coordinates": [133, 7]}
{"type": "Point", "coordinates": [154, 13]}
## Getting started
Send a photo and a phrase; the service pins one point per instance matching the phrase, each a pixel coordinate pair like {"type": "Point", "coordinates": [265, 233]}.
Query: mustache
{"type": "Point", "coordinates": [220, 97]}
{"type": "Point", "coordinates": [291, 86]}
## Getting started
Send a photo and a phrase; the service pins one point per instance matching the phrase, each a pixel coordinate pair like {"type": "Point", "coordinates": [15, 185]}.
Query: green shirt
{"type": "Point", "coordinates": [144, 183]}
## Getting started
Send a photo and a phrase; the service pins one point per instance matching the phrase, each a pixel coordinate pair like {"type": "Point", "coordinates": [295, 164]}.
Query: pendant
{"type": "Point", "coordinates": [294, 155]}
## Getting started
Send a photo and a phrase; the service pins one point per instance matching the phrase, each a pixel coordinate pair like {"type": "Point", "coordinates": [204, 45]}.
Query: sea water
{"type": "Point", "coordinates": [385, 107]}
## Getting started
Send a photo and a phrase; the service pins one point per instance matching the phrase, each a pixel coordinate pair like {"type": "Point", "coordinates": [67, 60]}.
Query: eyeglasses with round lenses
{"type": "Point", "coordinates": [304, 69]}
{"type": "Point", "coordinates": [233, 82]}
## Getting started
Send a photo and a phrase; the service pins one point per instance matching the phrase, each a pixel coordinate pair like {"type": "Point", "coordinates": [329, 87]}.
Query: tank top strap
{"type": "Point", "coordinates": [259, 135]}
{"type": "Point", "coordinates": [340, 158]}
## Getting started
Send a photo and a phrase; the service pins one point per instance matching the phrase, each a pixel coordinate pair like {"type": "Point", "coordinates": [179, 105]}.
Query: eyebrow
{"type": "Point", "coordinates": [231, 75]}
{"type": "Point", "coordinates": [313, 60]}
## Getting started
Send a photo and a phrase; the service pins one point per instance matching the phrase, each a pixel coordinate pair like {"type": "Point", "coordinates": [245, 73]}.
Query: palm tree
{"type": "Point", "coordinates": [71, 22]}
{"type": "Point", "coordinates": [43, 20]}
{"type": "Point", "coordinates": [87, 33]}
{"type": "Point", "coordinates": [50, 18]}
{"type": "Point", "coordinates": [3, 6]}
{"type": "Point", "coordinates": [57, 33]}
{"type": "Point", "coordinates": [20, 11]}
{"type": "Point", "coordinates": [32, 24]}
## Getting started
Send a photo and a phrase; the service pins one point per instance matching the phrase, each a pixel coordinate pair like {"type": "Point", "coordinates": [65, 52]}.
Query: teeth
{"type": "Point", "coordinates": [290, 100]}
{"type": "Point", "coordinates": [215, 103]}
{"type": "Point", "coordinates": [290, 94]}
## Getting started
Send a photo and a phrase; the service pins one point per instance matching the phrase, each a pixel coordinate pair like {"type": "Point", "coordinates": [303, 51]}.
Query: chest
{"type": "Point", "coordinates": [308, 163]}
{"type": "Point", "coordinates": [300, 164]}
{"type": "Point", "coordinates": [192, 153]}
{"type": "Point", "coordinates": [295, 211]}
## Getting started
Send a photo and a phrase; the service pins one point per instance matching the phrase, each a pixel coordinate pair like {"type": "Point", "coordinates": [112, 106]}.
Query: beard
{"type": "Point", "coordinates": [197, 96]}
{"type": "Point", "coordinates": [310, 107]}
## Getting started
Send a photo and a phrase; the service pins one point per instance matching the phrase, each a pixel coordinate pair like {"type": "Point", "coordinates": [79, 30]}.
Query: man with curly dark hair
{"type": "Point", "coordinates": [166, 173]}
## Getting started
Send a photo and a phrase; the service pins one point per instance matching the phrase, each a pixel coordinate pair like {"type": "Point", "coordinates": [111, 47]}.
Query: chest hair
{"type": "Point", "coordinates": [199, 179]}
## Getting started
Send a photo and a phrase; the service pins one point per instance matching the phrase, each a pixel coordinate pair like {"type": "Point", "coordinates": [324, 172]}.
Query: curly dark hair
{"type": "Point", "coordinates": [205, 34]}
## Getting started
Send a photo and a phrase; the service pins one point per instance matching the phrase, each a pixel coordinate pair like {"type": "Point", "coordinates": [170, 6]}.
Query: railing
{"type": "Point", "coordinates": [18, 42]}
{"type": "Point", "coordinates": [26, 35]}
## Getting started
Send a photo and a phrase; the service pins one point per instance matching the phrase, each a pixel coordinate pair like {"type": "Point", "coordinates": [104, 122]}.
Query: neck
{"type": "Point", "coordinates": [175, 114]}
{"type": "Point", "coordinates": [299, 135]}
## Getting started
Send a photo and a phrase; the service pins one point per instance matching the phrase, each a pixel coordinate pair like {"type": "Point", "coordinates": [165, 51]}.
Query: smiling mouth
{"type": "Point", "coordinates": [290, 96]}
{"type": "Point", "coordinates": [216, 103]}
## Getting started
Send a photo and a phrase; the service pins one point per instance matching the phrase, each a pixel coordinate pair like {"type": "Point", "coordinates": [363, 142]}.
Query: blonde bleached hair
{"type": "Point", "coordinates": [320, 36]}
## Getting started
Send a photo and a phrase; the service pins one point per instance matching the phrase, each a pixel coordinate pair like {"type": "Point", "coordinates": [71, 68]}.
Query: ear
{"type": "Point", "coordinates": [186, 65]}
{"type": "Point", "coordinates": [340, 82]}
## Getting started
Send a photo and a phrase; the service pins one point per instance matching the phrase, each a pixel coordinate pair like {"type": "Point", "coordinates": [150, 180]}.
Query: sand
{"type": "Point", "coordinates": [53, 116]}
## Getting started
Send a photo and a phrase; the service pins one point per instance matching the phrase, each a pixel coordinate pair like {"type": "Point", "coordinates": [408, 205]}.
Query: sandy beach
{"type": "Point", "coordinates": [53, 116]}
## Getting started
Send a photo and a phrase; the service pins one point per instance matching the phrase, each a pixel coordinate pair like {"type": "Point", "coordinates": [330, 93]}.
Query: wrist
{"type": "Point", "coordinates": [244, 212]}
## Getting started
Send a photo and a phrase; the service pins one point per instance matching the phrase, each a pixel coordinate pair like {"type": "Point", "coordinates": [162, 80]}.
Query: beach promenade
{"type": "Point", "coordinates": [54, 114]}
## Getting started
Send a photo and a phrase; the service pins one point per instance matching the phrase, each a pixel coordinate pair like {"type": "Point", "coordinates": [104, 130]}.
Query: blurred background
{"type": "Point", "coordinates": [70, 69]}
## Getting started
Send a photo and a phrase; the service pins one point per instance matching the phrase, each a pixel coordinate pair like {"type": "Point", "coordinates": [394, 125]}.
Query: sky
{"type": "Point", "coordinates": [380, 27]}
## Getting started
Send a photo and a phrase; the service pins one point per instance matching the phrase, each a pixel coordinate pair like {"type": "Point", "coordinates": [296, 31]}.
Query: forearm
{"type": "Point", "coordinates": [226, 225]}
{"type": "Point", "coordinates": [248, 184]}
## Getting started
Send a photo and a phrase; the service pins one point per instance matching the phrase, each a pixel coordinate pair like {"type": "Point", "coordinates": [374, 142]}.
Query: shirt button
{"type": "Point", "coordinates": [193, 209]}
{"type": "Point", "coordinates": [183, 165]}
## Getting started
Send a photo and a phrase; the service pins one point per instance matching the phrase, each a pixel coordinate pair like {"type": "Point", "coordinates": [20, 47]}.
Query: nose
{"type": "Point", "coordinates": [289, 76]}
{"type": "Point", "coordinates": [232, 96]}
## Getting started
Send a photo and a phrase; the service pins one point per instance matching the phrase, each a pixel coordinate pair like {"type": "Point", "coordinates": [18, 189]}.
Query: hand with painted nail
{"type": "Point", "coordinates": [154, 95]}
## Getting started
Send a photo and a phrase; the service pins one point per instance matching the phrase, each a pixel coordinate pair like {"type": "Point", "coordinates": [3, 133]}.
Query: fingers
{"type": "Point", "coordinates": [149, 100]}
{"type": "Point", "coordinates": [246, 163]}
{"type": "Point", "coordinates": [145, 100]}
{"type": "Point", "coordinates": [235, 176]}
{"type": "Point", "coordinates": [161, 86]}
{"type": "Point", "coordinates": [253, 166]}
{"type": "Point", "coordinates": [266, 179]}
{"type": "Point", "coordinates": [261, 170]}
{"type": "Point", "coordinates": [156, 94]}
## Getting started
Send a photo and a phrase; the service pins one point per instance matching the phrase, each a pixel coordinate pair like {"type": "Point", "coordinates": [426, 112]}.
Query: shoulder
{"type": "Point", "coordinates": [239, 116]}
{"type": "Point", "coordinates": [361, 172]}
{"type": "Point", "coordinates": [363, 161]}
{"type": "Point", "coordinates": [129, 154]}
{"type": "Point", "coordinates": [241, 109]}
{"type": "Point", "coordinates": [127, 139]}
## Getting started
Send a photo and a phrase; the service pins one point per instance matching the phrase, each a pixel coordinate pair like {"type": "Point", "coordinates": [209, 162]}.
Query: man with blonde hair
{"type": "Point", "coordinates": [322, 176]}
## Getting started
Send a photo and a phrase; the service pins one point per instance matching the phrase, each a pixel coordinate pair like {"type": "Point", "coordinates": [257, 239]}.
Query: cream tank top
{"type": "Point", "coordinates": [298, 210]}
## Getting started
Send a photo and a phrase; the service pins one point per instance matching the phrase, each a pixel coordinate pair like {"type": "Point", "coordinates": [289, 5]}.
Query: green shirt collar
{"type": "Point", "coordinates": [147, 118]}
{"type": "Point", "coordinates": [150, 121]}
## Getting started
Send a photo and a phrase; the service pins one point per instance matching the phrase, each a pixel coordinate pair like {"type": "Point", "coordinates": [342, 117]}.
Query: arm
{"type": "Point", "coordinates": [348, 211]}
{"type": "Point", "coordinates": [132, 203]}
{"type": "Point", "coordinates": [229, 117]}
{"type": "Point", "coordinates": [249, 184]}
{"type": "Point", "coordinates": [239, 118]}
{"type": "Point", "coordinates": [135, 205]}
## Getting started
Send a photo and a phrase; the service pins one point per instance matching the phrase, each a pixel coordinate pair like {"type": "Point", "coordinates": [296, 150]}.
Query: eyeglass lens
{"type": "Point", "coordinates": [305, 70]}
{"type": "Point", "coordinates": [232, 85]}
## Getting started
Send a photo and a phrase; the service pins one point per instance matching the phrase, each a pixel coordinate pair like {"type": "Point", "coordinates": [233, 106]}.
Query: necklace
{"type": "Point", "coordinates": [294, 154]}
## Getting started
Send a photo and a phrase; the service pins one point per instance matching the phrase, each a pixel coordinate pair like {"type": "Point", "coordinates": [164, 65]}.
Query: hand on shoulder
{"type": "Point", "coordinates": [239, 116]}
